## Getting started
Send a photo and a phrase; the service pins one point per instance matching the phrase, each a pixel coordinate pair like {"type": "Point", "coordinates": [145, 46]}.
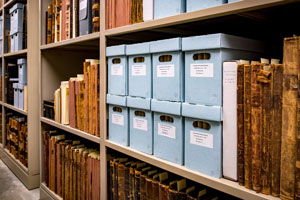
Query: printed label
{"type": "Point", "coordinates": [202, 70]}
{"type": "Point", "coordinates": [117, 70]}
{"type": "Point", "coordinates": [229, 76]}
{"type": "Point", "coordinates": [165, 70]}
{"type": "Point", "coordinates": [138, 70]}
{"type": "Point", "coordinates": [141, 124]}
{"type": "Point", "coordinates": [117, 119]}
{"type": "Point", "coordinates": [167, 130]}
{"type": "Point", "coordinates": [202, 139]}
{"type": "Point", "coordinates": [83, 4]}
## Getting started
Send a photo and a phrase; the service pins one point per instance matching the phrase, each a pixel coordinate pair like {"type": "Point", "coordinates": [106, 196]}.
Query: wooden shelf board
{"type": "Point", "coordinates": [224, 185]}
{"type": "Point", "coordinates": [24, 168]}
{"type": "Point", "coordinates": [209, 13]}
{"type": "Point", "coordinates": [46, 193]}
{"type": "Point", "coordinates": [71, 130]}
{"type": "Point", "coordinates": [23, 112]}
{"type": "Point", "coordinates": [15, 54]}
{"type": "Point", "coordinates": [73, 41]}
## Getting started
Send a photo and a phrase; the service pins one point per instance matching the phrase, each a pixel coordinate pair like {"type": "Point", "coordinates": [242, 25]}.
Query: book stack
{"type": "Point", "coordinates": [133, 179]}
{"type": "Point", "coordinates": [17, 137]}
{"type": "Point", "coordinates": [76, 102]}
{"type": "Point", "coordinates": [71, 169]}
{"type": "Point", "coordinates": [66, 19]}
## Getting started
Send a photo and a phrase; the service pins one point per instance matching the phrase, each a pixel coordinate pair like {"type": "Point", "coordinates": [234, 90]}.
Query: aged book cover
{"type": "Point", "coordinates": [289, 117]}
{"type": "Point", "coordinates": [96, 16]}
{"type": "Point", "coordinates": [72, 105]}
{"type": "Point", "coordinates": [121, 181]}
{"type": "Point", "coordinates": [57, 105]}
{"type": "Point", "coordinates": [49, 23]}
{"type": "Point", "coordinates": [63, 19]}
{"type": "Point", "coordinates": [277, 128]}
{"type": "Point", "coordinates": [297, 172]}
{"type": "Point", "coordinates": [65, 102]}
{"type": "Point", "coordinates": [86, 96]}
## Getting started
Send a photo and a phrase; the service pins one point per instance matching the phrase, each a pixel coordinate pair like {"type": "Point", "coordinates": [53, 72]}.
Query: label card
{"type": "Point", "coordinates": [141, 124]}
{"type": "Point", "coordinates": [83, 4]}
{"type": "Point", "coordinates": [167, 130]}
{"type": "Point", "coordinates": [117, 70]}
{"type": "Point", "coordinates": [202, 70]}
{"type": "Point", "coordinates": [138, 70]}
{"type": "Point", "coordinates": [202, 139]}
{"type": "Point", "coordinates": [165, 70]}
{"type": "Point", "coordinates": [117, 119]}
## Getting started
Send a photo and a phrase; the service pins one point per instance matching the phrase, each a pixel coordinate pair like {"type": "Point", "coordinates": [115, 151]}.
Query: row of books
{"type": "Point", "coordinates": [134, 179]}
{"type": "Point", "coordinates": [17, 137]}
{"type": "Point", "coordinates": [76, 102]}
{"type": "Point", "coordinates": [66, 19]}
{"type": "Point", "coordinates": [71, 168]}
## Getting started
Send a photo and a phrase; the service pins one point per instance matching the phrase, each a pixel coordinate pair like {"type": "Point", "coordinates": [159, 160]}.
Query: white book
{"type": "Point", "coordinates": [147, 10]}
{"type": "Point", "coordinates": [65, 102]}
{"type": "Point", "coordinates": [57, 105]}
{"type": "Point", "coordinates": [230, 120]}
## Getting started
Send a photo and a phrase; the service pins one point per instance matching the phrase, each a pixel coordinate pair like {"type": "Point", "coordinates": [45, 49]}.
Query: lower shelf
{"type": "Point", "coordinates": [224, 185]}
{"type": "Point", "coordinates": [46, 193]}
{"type": "Point", "coordinates": [30, 181]}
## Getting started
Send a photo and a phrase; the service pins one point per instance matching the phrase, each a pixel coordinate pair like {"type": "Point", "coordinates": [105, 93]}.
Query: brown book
{"type": "Point", "coordinates": [74, 171]}
{"type": "Point", "coordinates": [133, 11]}
{"type": "Point", "coordinates": [143, 187]}
{"type": "Point", "coordinates": [277, 128]}
{"type": "Point", "coordinates": [58, 169]}
{"type": "Point", "coordinates": [49, 23]}
{"type": "Point", "coordinates": [297, 170]}
{"type": "Point", "coordinates": [139, 13]}
{"type": "Point", "coordinates": [76, 18]}
{"type": "Point", "coordinates": [96, 101]}
{"type": "Point", "coordinates": [91, 100]}
{"type": "Point", "coordinates": [155, 186]}
{"type": "Point", "coordinates": [58, 20]}
{"type": "Point", "coordinates": [95, 16]}
{"type": "Point", "coordinates": [53, 21]}
{"type": "Point", "coordinates": [163, 186]}
{"type": "Point", "coordinates": [68, 19]}
{"type": "Point", "coordinates": [84, 158]}
{"type": "Point", "coordinates": [79, 172]}
{"type": "Point", "coordinates": [90, 176]}
{"type": "Point", "coordinates": [247, 127]}
{"type": "Point", "coordinates": [67, 171]}
{"type": "Point", "coordinates": [177, 190]}
{"type": "Point", "coordinates": [131, 179]}
{"type": "Point", "coordinates": [97, 177]}
{"type": "Point", "coordinates": [195, 193]}
{"type": "Point", "coordinates": [46, 154]}
{"type": "Point", "coordinates": [289, 116]}
{"type": "Point", "coordinates": [63, 19]}
{"type": "Point", "coordinates": [86, 71]}
{"type": "Point", "coordinates": [63, 166]}
{"type": "Point", "coordinates": [240, 123]}
{"type": "Point", "coordinates": [140, 167]}
{"type": "Point", "coordinates": [77, 104]}
{"type": "Point", "coordinates": [121, 181]}
{"type": "Point", "coordinates": [72, 105]}
{"type": "Point", "coordinates": [149, 180]}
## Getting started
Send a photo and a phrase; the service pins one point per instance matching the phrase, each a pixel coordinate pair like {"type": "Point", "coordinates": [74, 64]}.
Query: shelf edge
{"type": "Point", "coordinates": [15, 109]}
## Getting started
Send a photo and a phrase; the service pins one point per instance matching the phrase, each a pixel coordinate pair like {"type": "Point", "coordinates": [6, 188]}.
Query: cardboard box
{"type": "Point", "coordinates": [192, 5]}
{"type": "Point", "coordinates": [16, 42]}
{"type": "Point", "coordinates": [21, 95]}
{"type": "Point", "coordinates": [22, 70]}
{"type": "Point", "coordinates": [16, 94]}
{"type": "Point", "coordinates": [166, 8]}
{"type": "Point", "coordinates": [16, 18]}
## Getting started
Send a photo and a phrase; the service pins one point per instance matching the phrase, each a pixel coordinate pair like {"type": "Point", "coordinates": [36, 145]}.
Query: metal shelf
{"type": "Point", "coordinates": [23, 112]}
{"type": "Point", "coordinates": [71, 130]}
{"type": "Point", "coordinates": [46, 193]}
{"type": "Point", "coordinates": [16, 54]}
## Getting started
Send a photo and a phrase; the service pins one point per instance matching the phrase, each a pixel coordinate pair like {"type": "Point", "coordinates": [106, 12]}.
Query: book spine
{"type": "Point", "coordinates": [79, 177]}
{"type": "Point", "coordinates": [49, 23]}
{"type": "Point", "coordinates": [91, 100]}
{"type": "Point", "coordinates": [240, 123]}
{"type": "Point", "coordinates": [121, 181]}
{"type": "Point", "coordinates": [58, 170]}
{"type": "Point", "coordinates": [297, 170]}
{"type": "Point", "coordinates": [67, 172]}
{"type": "Point", "coordinates": [72, 107]}
{"type": "Point", "coordinates": [139, 11]}
{"type": "Point", "coordinates": [97, 100]}
{"type": "Point", "coordinates": [289, 115]}
{"type": "Point", "coordinates": [95, 16]}
{"type": "Point", "coordinates": [46, 157]}
{"type": "Point", "coordinates": [137, 184]}
{"type": "Point", "coordinates": [164, 192]}
{"type": "Point", "coordinates": [276, 132]}
{"type": "Point", "coordinates": [63, 174]}
{"type": "Point", "coordinates": [143, 187]}
{"type": "Point", "coordinates": [247, 127]}
{"type": "Point", "coordinates": [77, 105]}
{"type": "Point", "coordinates": [90, 177]}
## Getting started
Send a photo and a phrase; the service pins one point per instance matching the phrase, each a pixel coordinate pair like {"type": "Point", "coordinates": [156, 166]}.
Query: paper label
{"type": "Point", "coordinates": [202, 139]}
{"type": "Point", "coordinates": [167, 130]}
{"type": "Point", "coordinates": [117, 70]}
{"type": "Point", "coordinates": [202, 70]}
{"type": "Point", "coordinates": [83, 4]}
{"type": "Point", "coordinates": [117, 119]}
{"type": "Point", "coordinates": [138, 70]}
{"type": "Point", "coordinates": [165, 70]}
{"type": "Point", "coordinates": [230, 76]}
{"type": "Point", "coordinates": [141, 124]}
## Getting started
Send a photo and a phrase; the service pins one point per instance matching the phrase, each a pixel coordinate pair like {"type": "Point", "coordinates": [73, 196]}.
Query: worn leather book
{"type": "Point", "coordinates": [79, 172]}
{"type": "Point", "coordinates": [127, 171]}
{"type": "Point", "coordinates": [54, 162]}
{"type": "Point", "coordinates": [63, 166]}
{"type": "Point", "coordinates": [289, 117]}
{"type": "Point", "coordinates": [247, 127]}
{"type": "Point", "coordinates": [46, 136]}
{"type": "Point", "coordinates": [96, 16]}
{"type": "Point", "coordinates": [97, 100]}
{"type": "Point", "coordinates": [58, 21]}
{"type": "Point", "coordinates": [137, 179]}
{"type": "Point", "coordinates": [195, 193]}
{"type": "Point", "coordinates": [177, 190]}
{"type": "Point", "coordinates": [297, 172]}
{"type": "Point", "coordinates": [121, 181]}
{"type": "Point", "coordinates": [72, 105]}
{"type": "Point", "coordinates": [133, 11]}
{"type": "Point", "coordinates": [131, 179]}
{"type": "Point", "coordinates": [86, 71]}
{"type": "Point", "coordinates": [58, 169]}
{"type": "Point", "coordinates": [149, 179]}
{"type": "Point", "coordinates": [63, 19]}
{"type": "Point", "coordinates": [75, 18]}
{"type": "Point", "coordinates": [84, 183]}
{"type": "Point", "coordinates": [67, 171]}
{"type": "Point", "coordinates": [68, 20]}
{"type": "Point", "coordinates": [163, 186]}
{"type": "Point", "coordinates": [240, 123]}
{"type": "Point", "coordinates": [90, 176]}
{"type": "Point", "coordinates": [49, 23]}
{"type": "Point", "coordinates": [277, 128]}
{"type": "Point", "coordinates": [155, 186]}
{"type": "Point", "coordinates": [143, 177]}
{"type": "Point", "coordinates": [77, 104]}
{"type": "Point", "coordinates": [91, 100]}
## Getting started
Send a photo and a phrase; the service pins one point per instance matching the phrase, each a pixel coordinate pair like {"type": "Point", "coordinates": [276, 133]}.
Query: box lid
{"type": "Point", "coordinates": [21, 61]}
{"type": "Point", "coordinates": [118, 50]}
{"type": "Point", "coordinates": [137, 49]}
{"type": "Point", "coordinates": [212, 113]}
{"type": "Point", "coordinates": [158, 46]}
{"type": "Point", "coordinates": [220, 40]}
{"type": "Point", "coordinates": [16, 85]}
{"type": "Point", "coordinates": [21, 86]}
{"type": "Point", "coordinates": [14, 79]}
{"type": "Point", "coordinates": [16, 6]}
{"type": "Point", "coordinates": [116, 100]}
{"type": "Point", "coordinates": [137, 102]}
{"type": "Point", "coordinates": [169, 107]}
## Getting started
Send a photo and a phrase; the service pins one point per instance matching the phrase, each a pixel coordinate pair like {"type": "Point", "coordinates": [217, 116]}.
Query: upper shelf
{"type": "Point", "coordinates": [23, 112]}
{"type": "Point", "coordinates": [16, 54]}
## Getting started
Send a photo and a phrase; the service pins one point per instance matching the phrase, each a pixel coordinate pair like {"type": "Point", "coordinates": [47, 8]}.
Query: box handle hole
{"type": "Point", "coordinates": [165, 58]}
{"type": "Point", "coordinates": [201, 56]}
{"type": "Point", "coordinates": [116, 61]}
{"type": "Point", "coordinates": [201, 125]}
{"type": "Point", "coordinates": [138, 59]}
{"type": "Point", "coordinates": [117, 109]}
{"type": "Point", "coordinates": [139, 113]}
{"type": "Point", "coordinates": [166, 118]}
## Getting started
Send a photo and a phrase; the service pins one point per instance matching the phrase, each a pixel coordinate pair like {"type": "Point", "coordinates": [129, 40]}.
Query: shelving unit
{"type": "Point", "coordinates": [15, 109]}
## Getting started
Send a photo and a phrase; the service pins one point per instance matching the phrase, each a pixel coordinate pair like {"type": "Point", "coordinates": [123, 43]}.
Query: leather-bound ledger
{"type": "Point", "coordinates": [177, 190]}
{"type": "Point", "coordinates": [77, 104]}
{"type": "Point", "coordinates": [63, 19]}
{"type": "Point", "coordinates": [86, 71]}
{"type": "Point", "coordinates": [277, 128]}
{"type": "Point", "coordinates": [63, 166]}
{"type": "Point", "coordinates": [91, 100]}
{"type": "Point", "coordinates": [164, 184]}
{"type": "Point", "coordinates": [297, 170]}
{"type": "Point", "coordinates": [143, 176]}
{"type": "Point", "coordinates": [97, 100]}
{"type": "Point", "coordinates": [79, 172]}
{"type": "Point", "coordinates": [137, 179]}
{"type": "Point", "coordinates": [149, 180]}
{"type": "Point", "coordinates": [46, 156]}
{"type": "Point", "coordinates": [84, 158]}
{"type": "Point", "coordinates": [90, 175]}
{"type": "Point", "coordinates": [58, 20]}
{"type": "Point", "coordinates": [289, 118]}
{"type": "Point", "coordinates": [240, 123]}
{"type": "Point", "coordinates": [67, 171]}
{"type": "Point", "coordinates": [131, 179]}
{"type": "Point", "coordinates": [72, 105]}
{"type": "Point", "coordinates": [121, 181]}
{"type": "Point", "coordinates": [49, 23]}
{"type": "Point", "coordinates": [96, 16]}
{"type": "Point", "coordinates": [155, 186]}
{"type": "Point", "coordinates": [247, 127]}
{"type": "Point", "coordinates": [58, 169]}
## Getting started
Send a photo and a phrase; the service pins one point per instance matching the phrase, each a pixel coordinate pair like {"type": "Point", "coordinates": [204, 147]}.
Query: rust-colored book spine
{"type": "Point", "coordinates": [46, 156]}
{"type": "Point", "coordinates": [96, 16]}
{"type": "Point", "coordinates": [277, 128]}
{"type": "Point", "coordinates": [67, 171]}
{"type": "Point", "coordinates": [82, 105]}
{"type": "Point", "coordinates": [91, 99]}
{"type": "Point", "coordinates": [139, 13]}
{"type": "Point", "coordinates": [163, 191]}
{"type": "Point", "coordinates": [247, 127]}
{"type": "Point", "coordinates": [79, 177]}
{"type": "Point", "coordinates": [86, 95]}
{"type": "Point", "coordinates": [256, 126]}
{"type": "Point", "coordinates": [77, 105]}
{"type": "Point", "coordinates": [74, 173]}
{"type": "Point", "coordinates": [121, 181]}
{"type": "Point", "coordinates": [49, 23]}
{"type": "Point", "coordinates": [97, 100]}
{"type": "Point", "coordinates": [90, 176]}
{"type": "Point", "coordinates": [289, 117]}
{"type": "Point", "coordinates": [58, 169]}
{"type": "Point", "coordinates": [297, 171]}
{"type": "Point", "coordinates": [240, 123]}
{"type": "Point", "coordinates": [72, 105]}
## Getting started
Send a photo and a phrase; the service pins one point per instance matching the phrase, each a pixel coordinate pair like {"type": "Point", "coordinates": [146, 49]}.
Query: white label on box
{"type": "Point", "coordinates": [141, 124]}
{"type": "Point", "coordinates": [165, 70]}
{"type": "Point", "coordinates": [229, 76]}
{"type": "Point", "coordinates": [117, 119]}
{"type": "Point", "coordinates": [83, 4]}
{"type": "Point", "coordinates": [202, 70]}
{"type": "Point", "coordinates": [117, 70]}
{"type": "Point", "coordinates": [138, 70]}
{"type": "Point", "coordinates": [167, 130]}
{"type": "Point", "coordinates": [202, 139]}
